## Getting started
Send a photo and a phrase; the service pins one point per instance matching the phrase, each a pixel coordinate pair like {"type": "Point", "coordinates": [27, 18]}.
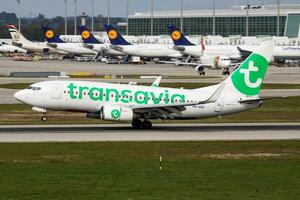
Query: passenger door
{"type": "Point", "coordinates": [56, 92]}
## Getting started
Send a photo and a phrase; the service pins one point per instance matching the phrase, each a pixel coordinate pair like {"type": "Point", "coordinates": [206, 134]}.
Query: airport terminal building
{"type": "Point", "coordinates": [262, 20]}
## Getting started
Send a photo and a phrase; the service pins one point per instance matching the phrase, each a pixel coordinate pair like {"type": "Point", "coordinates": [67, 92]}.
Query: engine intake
{"type": "Point", "coordinates": [113, 113]}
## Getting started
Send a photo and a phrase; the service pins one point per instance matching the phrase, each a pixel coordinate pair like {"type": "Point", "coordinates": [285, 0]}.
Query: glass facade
{"type": "Point", "coordinates": [225, 26]}
{"type": "Point", "coordinates": [293, 25]}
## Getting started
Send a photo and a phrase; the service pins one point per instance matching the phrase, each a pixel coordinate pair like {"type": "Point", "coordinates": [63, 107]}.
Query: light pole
{"type": "Point", "coordinates": [247, 18]}
{"type": "Point", "coordinates": [181, 15]}
{"type": "Point", "coordinates": [214, 17]}
{"type": "Point", "coordinates": [66, 20]}
{"type": "Point", "coordinates": [92, 15]}
{"type": "Point", "coordinates": [278, 16]}
{"type": "Point", "coordinates": [108, 11]}
{"type": "Point", "coordinates": [152, 7]}
{"type": "Point", "coordinates": [75, 17]}
{"type": "Point", "coordinates": [127, 16]}
{"type": "Point", "coordinates": [19, 18]}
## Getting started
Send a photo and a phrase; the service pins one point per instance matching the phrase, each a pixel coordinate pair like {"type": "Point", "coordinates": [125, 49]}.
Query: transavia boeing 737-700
{"type": "Point", "coordinates": [138, 104]}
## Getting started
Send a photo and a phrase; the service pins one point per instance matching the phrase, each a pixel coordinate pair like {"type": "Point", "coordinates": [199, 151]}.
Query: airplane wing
{"type": "Point", "coordinates": [179, 48]}
{"type": "Point", "coordinates": [156, 82]}
{"type": "Point", "coordinates": [116, 47]}
{"type": "Point", "coordinates": [164, 111]}
{"type": "Point", "coordinates": [89, 46]}
{"type": "Point", "coordinates": [52, 45]}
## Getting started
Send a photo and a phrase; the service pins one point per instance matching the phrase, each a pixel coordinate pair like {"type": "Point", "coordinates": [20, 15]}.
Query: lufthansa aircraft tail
{"type": "Point", "coordinates": [178, 38]}
{"type": "Point", "coordinates": [87, 36]}
{"type": "Point", "coordinates": [16, 36]}
{"type": "Point", "coordinates": [114, 36]}
{"type": "Point", "coordinates": [51, 36]}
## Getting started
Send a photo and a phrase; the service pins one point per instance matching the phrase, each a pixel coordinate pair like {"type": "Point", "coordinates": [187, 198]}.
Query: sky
{"type": "Point", "coordinates": [52, 8]}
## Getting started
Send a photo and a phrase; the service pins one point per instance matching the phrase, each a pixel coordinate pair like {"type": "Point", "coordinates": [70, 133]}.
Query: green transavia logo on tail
{"type": "Point", "coordinates": [248, 78]}
{"type": "Point", "coordinates": [115, 114]}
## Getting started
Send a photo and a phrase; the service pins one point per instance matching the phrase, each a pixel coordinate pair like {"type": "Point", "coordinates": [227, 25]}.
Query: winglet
{"type": "Point", "coordinates": [156, 82]}
{"type": "Point", "coordinates": [215, 96]}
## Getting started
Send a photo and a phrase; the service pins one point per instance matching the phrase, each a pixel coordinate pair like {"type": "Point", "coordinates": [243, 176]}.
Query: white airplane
{"type": "Point", "coordinates": [19, 40]}
{"type": "Point", "coordinates": [92, 43]}
{"type": "Point", "coordinates": [7, 48]}
{"type": "Point", "coordinates": [183, 45]}
{"type": "Point", "coordinates": [137, 104]}
{"type": "Point", "coordinates": [280, 53]}
{"type": "Point", "coordinates": [207, 58]}
{"type": "Point", "coordinates": [140, 50]}
{"type": "Point", "coordinates": [72, 48]}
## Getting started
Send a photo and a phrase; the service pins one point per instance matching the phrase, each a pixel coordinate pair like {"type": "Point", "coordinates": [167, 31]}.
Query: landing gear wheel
{"type": "Point", "coordinates": [136, 123]}
{"type": "Point", "coordinates": [44, 118]}
{"type": "Point", "coordinates": [202, 73]}
{"type": "Point", "coordinates": [146, 124]}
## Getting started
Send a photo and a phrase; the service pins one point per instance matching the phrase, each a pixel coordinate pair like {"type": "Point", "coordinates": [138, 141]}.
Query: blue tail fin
{"type": "Point", "coordinates": [51, 36]}
{"type": "Point", "coordinates": [178, 38]}
{"type": "Point", "coordinates": [87, 36]}
{"type": "Point", "coordinates": [114, 36]}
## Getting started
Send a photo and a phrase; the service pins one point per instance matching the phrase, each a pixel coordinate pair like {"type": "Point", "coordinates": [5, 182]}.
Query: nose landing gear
{"type": "Point", "coordinates": [44, 118]}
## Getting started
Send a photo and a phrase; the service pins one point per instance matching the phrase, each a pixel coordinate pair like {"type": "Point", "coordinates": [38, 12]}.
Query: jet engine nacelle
{"type": "Point", "coordinates": [199, 68]}
{"type": "Point", "coordinates": [113, 113]}
{"type": "Point", "coordinates": [17, 44]}
{"type": "Point", "coordinates": [116, 113]}
{"type": "Point", "coordinates": [222, 62]}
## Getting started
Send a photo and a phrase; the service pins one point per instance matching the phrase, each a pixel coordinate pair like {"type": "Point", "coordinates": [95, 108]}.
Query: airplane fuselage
{"type": "Point", "coordinates": [213, 50]}
{"type": "Point", "coordinates": [90, 97]}
{"type": "Point", "coordinates": [151, 51]}
{"type": "Point", "coordinates": [73, 48]}
{"type": "Point", "coordinates": [280, 52]}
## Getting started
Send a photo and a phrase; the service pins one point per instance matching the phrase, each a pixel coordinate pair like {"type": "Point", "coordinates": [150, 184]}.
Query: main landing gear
{"type": "Point", "coordinates": [226, 72]}
{"type": "Point", "coordinates": [44, 118]}
{"type": "Point", "coordinates": [139, 124]}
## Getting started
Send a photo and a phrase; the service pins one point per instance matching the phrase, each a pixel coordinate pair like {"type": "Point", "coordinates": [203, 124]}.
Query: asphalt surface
{"type": "Point", "coordinates": [162, 132]}
{"type": "Point", "coordinates": [274, 74]}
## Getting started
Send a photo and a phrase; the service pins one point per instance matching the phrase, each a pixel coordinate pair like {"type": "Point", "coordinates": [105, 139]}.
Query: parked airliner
{"type": "Point", "coordinates": [36, 47]}
{"type": "Point", "coordinates": [92, 43]}
{"type": "Point", "coordinates": [141, 50]}
{"type": "Point", "coordinates": [72, 48]}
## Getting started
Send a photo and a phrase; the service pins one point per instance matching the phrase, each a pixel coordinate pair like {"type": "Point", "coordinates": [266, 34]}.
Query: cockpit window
{"type": "Point", "coordinates": [34, 88]}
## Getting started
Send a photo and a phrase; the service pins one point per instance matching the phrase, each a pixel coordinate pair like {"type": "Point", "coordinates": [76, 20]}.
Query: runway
{"type": "Point", "coordinates": [161, 132]}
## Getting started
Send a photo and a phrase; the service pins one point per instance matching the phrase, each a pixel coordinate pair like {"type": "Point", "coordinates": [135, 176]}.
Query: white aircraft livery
{"type": "Point", "coordinates": [54, 41]}
{"type": "Point", "coordinates": [20, 41]}
{"type": "Point", "coordinates": [138, 104]}
{"type": "Point", "coordinates": [142, 50]}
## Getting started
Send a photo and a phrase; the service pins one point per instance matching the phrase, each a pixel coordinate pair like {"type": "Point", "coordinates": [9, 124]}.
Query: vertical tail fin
{"type": "Point", "coordinates": [114, 36]}
{"type": "Point", "coordinates": [16, 36]}
{"type": "Point", "coordinates": [248, 77]}
{"type": "Point", "coordinates": [87, 36]}
{"type": "Point", "coordinates": [51, 36]}
{"type": "Point", "coordinates": [178, 38]}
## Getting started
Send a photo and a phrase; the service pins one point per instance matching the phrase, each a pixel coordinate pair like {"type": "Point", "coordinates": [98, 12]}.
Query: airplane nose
{"type": "Point", "coordinates": [19, 96]}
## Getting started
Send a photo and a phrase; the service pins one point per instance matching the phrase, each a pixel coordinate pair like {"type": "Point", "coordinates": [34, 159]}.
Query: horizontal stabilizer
{"type": "Point", "coordinates": [260, 99]}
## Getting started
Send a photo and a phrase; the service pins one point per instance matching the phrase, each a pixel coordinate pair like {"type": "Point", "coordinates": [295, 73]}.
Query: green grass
{"type": "Point", "coordinates": [275, 110]}
{"type": "Point", "coordinates": [191, 170]}
{"type": "Point", "coordinates": [172, 85]}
